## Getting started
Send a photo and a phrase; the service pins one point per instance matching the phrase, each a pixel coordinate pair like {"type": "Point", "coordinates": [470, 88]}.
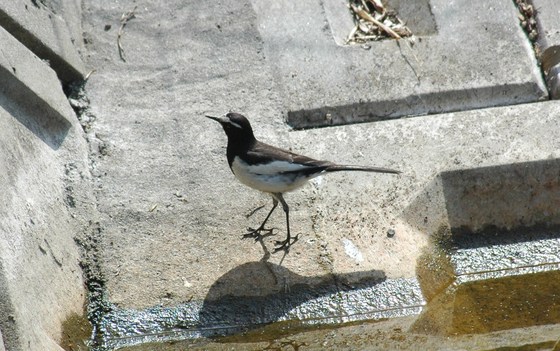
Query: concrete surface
{"type": "Point", "coordinates": [165, 105]}
{"type": "Point", "coordinates": [44, 172]}
{"type": "Point", "coordinates": [472, 61]}
{"type": "Point", "coordinates": [502, 250]}
{"type": "Point", "coordinates": [299, 306]}
{"type": "Point", "coordinates": [177, 143]}
{"type": "Point", "coordinates": [173, 213]}
{"type": "Point", "coordinates": [27, 80]}
{"type": "Point", "coordinates": [46, 34]}
{"type": "Point", "coordinates": [71, 12]}
{"type": "Point", "coordinates": [547, 12]}
{"type": "Point", "coordinates": [145, 190]}
{"type": "Point", "coordinates": [383, 335]}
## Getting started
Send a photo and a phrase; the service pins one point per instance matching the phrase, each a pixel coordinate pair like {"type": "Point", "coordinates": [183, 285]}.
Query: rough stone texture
{"type": "Point", "coordinates": [46, 34]}
{"type": "Point", "coordinates": [45, 202]}
{"type": "Point", "coordinates": [424, 147]}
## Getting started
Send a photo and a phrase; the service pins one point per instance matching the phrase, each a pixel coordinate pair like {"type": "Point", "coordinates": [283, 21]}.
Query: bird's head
{"type": "Point", "coordinates": [235, 125]}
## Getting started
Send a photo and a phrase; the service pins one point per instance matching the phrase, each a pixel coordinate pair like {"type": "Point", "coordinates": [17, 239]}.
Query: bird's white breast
{"type": "Point", "coordinates": [271, 177]}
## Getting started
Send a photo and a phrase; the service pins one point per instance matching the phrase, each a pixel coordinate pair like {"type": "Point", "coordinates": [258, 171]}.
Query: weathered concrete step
{"type": "Point", "coordinates": [29, 83]}
{"type": "Point", "coordinates": [335, 300]}
{"type": "Point", "coordinates": [496, 262]}
{"type": "Point", "coordinates": [43, 171]}
{"type": "Point", "coordinates": [469, 62]}
{"type": "Point", "coordinates": [46, 34]}
{"type": "Point", "coordinates": [175, 214]}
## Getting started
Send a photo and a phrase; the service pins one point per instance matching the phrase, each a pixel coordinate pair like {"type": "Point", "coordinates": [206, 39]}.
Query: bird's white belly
{"type": "Point", "coordinates": [270, 177]}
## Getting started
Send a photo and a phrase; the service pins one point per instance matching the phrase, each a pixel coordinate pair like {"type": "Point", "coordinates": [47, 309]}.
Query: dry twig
{"type": "Point", "coordinates": [378, 5]}
{"type": "Point", "coordinates": [375, 22]}
{"type": "Point", "coordinates": [125, 17]}
{"type": "Point", "coordinates": [366, 16]}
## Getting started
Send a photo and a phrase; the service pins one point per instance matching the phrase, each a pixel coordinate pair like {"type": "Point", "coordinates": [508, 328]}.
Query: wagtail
{"type": "Point", "coordinates": [273, 170]}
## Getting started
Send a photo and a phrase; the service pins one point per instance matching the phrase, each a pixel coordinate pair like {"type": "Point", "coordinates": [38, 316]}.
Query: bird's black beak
{"type": "Point", "coordinates": [221, 120]}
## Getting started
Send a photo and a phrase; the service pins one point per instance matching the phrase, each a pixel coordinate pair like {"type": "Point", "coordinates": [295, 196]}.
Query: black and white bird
{"type": "Point", "coordinates": [272, 170]}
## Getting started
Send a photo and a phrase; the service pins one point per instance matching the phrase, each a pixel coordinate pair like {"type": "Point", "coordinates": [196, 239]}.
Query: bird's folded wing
{"type": "Point", "coordinates": [266, 159]}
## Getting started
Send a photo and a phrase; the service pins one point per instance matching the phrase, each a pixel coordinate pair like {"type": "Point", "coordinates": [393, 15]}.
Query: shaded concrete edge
{"type": "Point", "coordinates": [61, 55]}
{"type": "Point", "coordinates": [417, 105]}
{"type": "Point", "coordinates": [284, 313]}
{"type": "Point", "coordinates": [45, 144]}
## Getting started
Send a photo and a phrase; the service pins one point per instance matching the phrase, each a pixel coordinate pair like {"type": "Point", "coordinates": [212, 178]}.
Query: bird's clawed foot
{"type": "Point", "coordinates": [284, 245]}
{"type": "Point", "coordinates": [257, 234]}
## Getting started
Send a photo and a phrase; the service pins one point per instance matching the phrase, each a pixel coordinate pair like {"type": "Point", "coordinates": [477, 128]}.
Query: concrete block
{"type": "Point", "coordinates": [461, 196]}
{"type": "Point", "coordinates": [27, 80]}
{"type": "Point", "coordinates": [43, 176]}
{"type": "Point", "coordinates": [71, 12]}
{"type": "Point", "coordinates": [322, 83]}
{"type": "Point", "coordinates": [173, 214]}
{"type": "Point", "coordinates": [46, 34]}
{"type": "Point", "coordinates": [495, 261]}
{"type": "Point", "coordinates": [41, 279]}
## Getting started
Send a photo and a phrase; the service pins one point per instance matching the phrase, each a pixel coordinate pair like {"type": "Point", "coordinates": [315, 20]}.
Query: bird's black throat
{"type": "Point", "coordinates": [240, 136]}
{"type": "Point", "coordinates": [238, 147]}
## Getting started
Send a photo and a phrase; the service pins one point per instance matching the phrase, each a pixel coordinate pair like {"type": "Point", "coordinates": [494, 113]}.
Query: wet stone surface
{"type": "Point", "coordinates": [502, 282]}
{"type": "Point", "coordinates": [507, 259]}
{"type": "Point", "coordinates": [496, 264]}
{"type": "Point", "coordinates": [302, 306]}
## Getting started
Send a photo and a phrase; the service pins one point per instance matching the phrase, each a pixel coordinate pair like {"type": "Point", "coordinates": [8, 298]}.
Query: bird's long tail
{"type": "Point", "coordinates": [339, 168]}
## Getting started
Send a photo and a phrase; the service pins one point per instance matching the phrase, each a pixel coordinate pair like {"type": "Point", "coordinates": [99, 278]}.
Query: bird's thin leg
{"type": "Point", "coordinates": [256, 233]}
{"type": "Point", "coordinates": [285, 244]}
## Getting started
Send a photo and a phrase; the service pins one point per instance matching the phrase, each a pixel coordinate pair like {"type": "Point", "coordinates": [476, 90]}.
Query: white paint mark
{"type": "Point", "coordinates": [352, 251]}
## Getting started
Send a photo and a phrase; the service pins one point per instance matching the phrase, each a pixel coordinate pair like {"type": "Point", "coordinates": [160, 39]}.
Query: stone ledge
{"type": "Point", "coordinates": [29, 82]}
{"type": "Point", "coordinates": [470, 62]}
{"type": "Point", "coordinates": [45, 167]}
{"type": "Point", "coordinates": [44, 33]}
